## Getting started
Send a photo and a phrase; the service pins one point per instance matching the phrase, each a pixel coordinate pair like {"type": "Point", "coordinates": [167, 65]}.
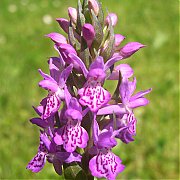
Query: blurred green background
{"type": "Point", "coordinates": [23, 49]}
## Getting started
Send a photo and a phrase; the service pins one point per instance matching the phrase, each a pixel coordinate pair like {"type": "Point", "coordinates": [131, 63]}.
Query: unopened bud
{"type": "Point", "coordinates": [88, 33]}
{"type": "Point", "coordinates": [57, 38]}
{"type": "Point", "coordinates": [118, 39]}
{"type": "Point", "coordinates": [94, 6]}
{"type": "Point", "coordinates": [130, 48]}
{"type": "Point", "coordinates": [72, 12]}
{"type": "Point", "coordinates": [111, 17]}
{"type": "Point", "coordinates": [64, 23]}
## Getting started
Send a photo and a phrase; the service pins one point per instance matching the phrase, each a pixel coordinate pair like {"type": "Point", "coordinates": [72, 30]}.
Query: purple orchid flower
{"type": "Point", "coordinates": [49, 151]}
{"type": "Point", "coordinates": [126, 124]}
{"type": "Point", "coordinates": [126, 89]}
{"type": "Point", "coordinates": [72, 134]}
{"type": "Point", "coordinates": [55, 85]}
{"type": "Point", "coordinates": [64, 51]}
{"type": "Point", "coordinates": [130, 101]}
{"type": "Point", "coordinates": [93, 94]}
{"type": "Point", "coordinates": [127, 134]}
{"type": "Point", "coordinates": [104, 164]}
{"type": "Point", "coordinates": [43, 123]}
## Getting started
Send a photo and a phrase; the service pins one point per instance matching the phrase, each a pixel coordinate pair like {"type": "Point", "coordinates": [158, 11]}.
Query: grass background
{"type": "Point", "coordinates": [23, 49]}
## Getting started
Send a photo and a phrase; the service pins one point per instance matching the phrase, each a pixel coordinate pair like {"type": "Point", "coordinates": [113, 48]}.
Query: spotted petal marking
{"type": "Point", "coordinates": [94, 96]}
{"type": "Point", "coordinates": [132, 124]}
{"type": "Point", "coordinates": [39, 160]}
{"type": "Point", "coordinates": [106, 164]}
{"type": "Point", "coordinates": [126, 135]}
{"type": "Point", "coordinates": [73, 136]}
{"type": "Point", "coordinates": [52, 105]}
{"type": "Point", "coordinates": [37, 163]}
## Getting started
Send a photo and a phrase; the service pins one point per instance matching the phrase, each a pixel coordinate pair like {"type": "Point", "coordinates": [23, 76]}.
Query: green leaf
{"type": "Point", "coordinates": [80, 17]}
{"type": "Point", "coordinates": [108, 51]}
{"type": "Point", "coordinates": [99, 31]}
{"type": "Point", "coordinates": [81, 176]}
{"type": "Point", "coordinates": [73, 41]}
{"type": "Point", "coordinates": [116, 93]}
{"type": "Point", "coordinates": [85, 3]}
{"type": "Point", "coordinates": [114, 121]}
{"type": "Point", "coordinates": [101, 14]}
{"type": "Point", "coordinates": [71, 171]}
{"type": "Point", "coordinates": [85, 54]}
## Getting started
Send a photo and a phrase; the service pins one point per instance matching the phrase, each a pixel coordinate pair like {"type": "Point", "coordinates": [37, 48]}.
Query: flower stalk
{"type": "Point", "coordinates": [79, 119]}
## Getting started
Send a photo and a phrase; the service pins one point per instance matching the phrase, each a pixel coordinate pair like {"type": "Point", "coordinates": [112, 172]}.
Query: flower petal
{"type": "Point", "coordinates": [57, 166]}
{"type": "Point", "coordinates": [130, 48]}
{"type": "Point", "coordinates": [138, 102]}
{"type": "Point", "coordinates": [140, 94]}
{"type": "Point", "coordinates": [74, 136]}
{"type": "Point", "coordinates": [56, 66]}
{"type": "Point", "coordinates": [106, 165]}
{"type": "Point", "coordinates": [110, 109]}
{"type": "Point", "coordinates": [94, 96]}
{"type": "Point", "coordinates": [46, 76]}
{"type": "Point", "coordinates": [73, 157]}
{"type": "Point", "coordinates": [125, 69]}
{"type": "Point", "coordinates": [57, 38]}
{"type": "Point", "coordinates": [111, 61]}
{"type": "Point", "coordinates": [49, 85]}
{"type": "Point", "coordinates": [51, 105]}
{"type": "Point", "coordinates": [118, 39]}
{"type": "Point", "coordinates": [64, 75]}
{"type": "Point", "coordinates": [126, 89]}
{"type": "Point", "coordinates": [37, 163]}
{"type": "Point", "coordinates": [39, 122]}
{"type": "Point", "coordinates": [80, 62]}
{"type": "Point", "coordinates": [64, 23]}
{"type": "Point", "coordinates": [106, 140]}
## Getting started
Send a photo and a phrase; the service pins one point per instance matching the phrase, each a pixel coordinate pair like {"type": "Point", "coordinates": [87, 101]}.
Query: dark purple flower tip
{"type": "Point", "coordinates": [64, 23]}
{"type": "Point", "coordinates": [88, 33]}
{"type": "Point", "coordinates": [72, 12]}
{"type": "Point", "coordinates": [92, 4]}
{"type": "Point", "coordinates": [130, 48]}
{"type": "Point", "coordinates": [39, 122]}
{"type": "Point", "coordinates": [111, 17]}
{"type": "Point", "coordinates": [118, 39]}
{"type": "Point", "coordinates": [57, 38]}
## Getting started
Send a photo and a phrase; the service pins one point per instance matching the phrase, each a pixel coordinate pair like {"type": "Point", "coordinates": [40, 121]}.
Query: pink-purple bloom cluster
{"type": "Point", "coordinates": [79, 119]}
